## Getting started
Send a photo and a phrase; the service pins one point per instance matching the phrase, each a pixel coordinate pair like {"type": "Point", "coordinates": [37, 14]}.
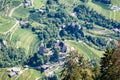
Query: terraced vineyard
{"type": "Point", "coordinates": [90, 53]}
{"type": "Point", "coordinates": [6, 23]}
{"type": "Point", "coordinates": [26, 39]}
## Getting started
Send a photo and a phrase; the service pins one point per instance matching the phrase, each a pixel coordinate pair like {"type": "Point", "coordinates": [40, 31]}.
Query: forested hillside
{"type": "Point", "coordinates": [37, 36]}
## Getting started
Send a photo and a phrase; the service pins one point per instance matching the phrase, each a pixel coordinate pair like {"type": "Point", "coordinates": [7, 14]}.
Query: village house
{"type": "Point", "coordinates": [42, 49]}
{"type": "Point", "coordinates": [41, 11]}
{"type": "Point", "coordinates": [49, 53]}
{"type": "Point", "coordinates": [4, 42]}
{"type": "Point", "coordinates": [26, 66]}
{"type": "Point", "coordinates": [117, 30]}
{"type": "Point", "coordinates": [27, 3]}
{"type": "Point", "coordinates": [12, 74]}
{"type": "Point", "coordinates": [61, 46]}
{"type": "Point", "coordinates": [63, 49]}
{"type": "Point", "coordinates": [43, 8]}
{"type": "Point", "coordinates": [73, 14]}
{"type": "Point", "coordinates": [63, 26]}
{"type": "Point", "coordinates": [78, 26]}
{"type": "Point", "coordinates": [14, 71]}
{"type": "Point", "coordinates": [56, 45]}
{"type": "Point", "coordinates": [115, 8]}
{"type": "Point", "coordinates": [44, 67]}
{"type": "Point", "coordinates": [23, 22]}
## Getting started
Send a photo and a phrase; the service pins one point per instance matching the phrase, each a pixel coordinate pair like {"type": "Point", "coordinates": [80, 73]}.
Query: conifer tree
{"type": "Point", "coordinates": [110, 64]}
{"type": "Point", "coordinates": [76, 68]}
{"type": "Point", "coordinates": [106, 63]}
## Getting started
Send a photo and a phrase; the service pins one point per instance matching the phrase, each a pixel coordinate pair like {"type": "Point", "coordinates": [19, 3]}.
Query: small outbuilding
{"type": "Point", "coordinates": [44, 67]}
{"type": "Point", "coordinates": [12, 74]}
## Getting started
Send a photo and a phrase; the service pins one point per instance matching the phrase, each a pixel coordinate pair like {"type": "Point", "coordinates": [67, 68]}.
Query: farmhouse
{"type": "Point", "coordinates": [41, 11]}
{"type": "Point", "coordinates": [14, 71]}
{"type": "Point", "coordinates": [12, 74]}
{"type": "Point", "coordinates": [27, 3]}
{"type": "Point", "coordinates": [78, 26]}
{"type": "Point", "coordinates": [63, 49]}
{"type": "Point", "coordinates": [49, 53]}
{"type": "Point", "coordinates": [44, 67]}
{"type": "Point", "coordinates": [115, 8]}
{"type": "Point", "coordinates": [63, 26]}
{"type": "Point", "coordinates": [116, 30]}
{"type": "Point", "coordinates": [26, 66]}
{"type": "Point", "coordinates": [61, 46]}
{"type": "Point", "coordinates": [42, 49]}
{"type": "Point", "coordinates": [4, 42]}
{"type": "Point", "coordinates": [23, 22]}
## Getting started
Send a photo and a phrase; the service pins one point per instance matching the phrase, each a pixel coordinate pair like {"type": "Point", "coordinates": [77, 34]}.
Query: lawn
{"type": "Point", "coordinates": [3, 74]}
{"type": "Point", "coordinates": [38, 3]}
{"type": "Point", "coordinates": [6, 23]}
{"type": "Point", "coordinates": [116, 2]}
{"type": "Point", "coordinates": [87, 51]}
{"type": "Point", "coordinates": [98, 30]}
{"type": "Point", "coordinates": [21, 12]}
{"type": "Point", "coordinates": [26, 39]}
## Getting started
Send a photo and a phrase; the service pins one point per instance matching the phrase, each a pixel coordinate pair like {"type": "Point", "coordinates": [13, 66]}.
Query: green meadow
{"type": "Point", "coordinates": [85, 50]}
{"type": "Point", "coordinates": [6, 23]}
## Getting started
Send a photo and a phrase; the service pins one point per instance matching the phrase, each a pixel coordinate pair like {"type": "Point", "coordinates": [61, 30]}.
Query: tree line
{"type": "Point", "coordinates": [59, 24]}
{"type": "Point", "coordinates": [77, 68]}
{"type": "Point", "coordinates": [90, 15]}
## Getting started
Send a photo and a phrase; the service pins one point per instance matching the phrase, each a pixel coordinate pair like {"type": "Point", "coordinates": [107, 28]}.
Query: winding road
{"type": "Point", "coordinates": [17, 22]}
{"type": "Point", "coordinates": [11, 12]}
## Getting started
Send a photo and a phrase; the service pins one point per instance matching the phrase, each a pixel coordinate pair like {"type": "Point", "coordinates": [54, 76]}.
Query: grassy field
{"type": "Point", "coordinates": [38, 3]}
{"type": "Point", "coordinates": [97, 6]}
{"type": "Point", "coordinates": [21, 13]}
{"type": "Point", "coordinates": [26, 39]}
{"type": "Point", "coordinates": [87, 51]}
{"type": "Point", "coordinates": [29, 74]}
{"type": "Point", "coordinates": [98, 30]}
{"type": "Point", "coordinates": [6, 23]}
{"type": "Point", "coordinates": [105, 10]}
{"type": "Point", "coordinates": [116, 2]}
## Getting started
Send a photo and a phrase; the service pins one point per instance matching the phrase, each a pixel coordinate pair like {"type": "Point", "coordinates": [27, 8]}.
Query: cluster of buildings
{"type": "Point", "coordinates": [58, 44]}
{"type": "Point", "coordinates": [61, 45]}
{"type": "Point", "coordinates": [14, 71]}
{"type": "Point", "coordinates": [62, 53]}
